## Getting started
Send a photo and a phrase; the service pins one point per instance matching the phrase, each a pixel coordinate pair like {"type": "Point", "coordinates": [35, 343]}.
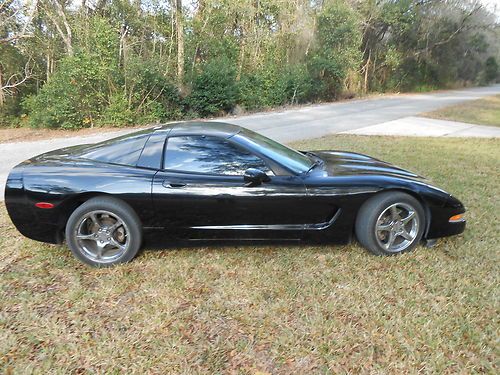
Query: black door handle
{"type": "Point", "coordinates": [168, 184]}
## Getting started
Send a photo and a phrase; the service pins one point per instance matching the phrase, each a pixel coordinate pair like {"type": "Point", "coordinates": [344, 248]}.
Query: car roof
{"type": "Point", "coordinates": [220, 129]}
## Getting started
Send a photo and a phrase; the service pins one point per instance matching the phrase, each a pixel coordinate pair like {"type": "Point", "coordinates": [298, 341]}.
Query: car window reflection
{"type": "Point", "coordinates": [212, 155]}
{"type": "Point", "coordinates": [124, 151]}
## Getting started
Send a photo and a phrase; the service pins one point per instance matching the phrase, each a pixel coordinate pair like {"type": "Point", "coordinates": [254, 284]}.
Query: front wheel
{"type": "Point", "coordinates": [104, 231]}
{"type": "Point", "coordinates": [390, 223]}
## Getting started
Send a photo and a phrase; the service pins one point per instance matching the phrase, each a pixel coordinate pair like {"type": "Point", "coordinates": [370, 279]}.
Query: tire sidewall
{"type": "Point", "coordinates": [115, 206]}
{"type": "Point", "coordinates": [370, 212]}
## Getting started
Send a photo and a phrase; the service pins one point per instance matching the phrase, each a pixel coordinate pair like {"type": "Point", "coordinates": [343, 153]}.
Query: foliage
{"type": "Point", "coordinates": [491, 70]}
{"type": "Point", "coordinates": [276, 86]}
{"type": "Point", "coordinates": [214, 88]}
{"type": "Point", "coordinates": [72, 98]}
{"type": "Point", "coordinates": [338, 47]}
{"type": "Point", "coordinates": [118, 63]}
{"type": "Point", "coordinates": [117, 112]}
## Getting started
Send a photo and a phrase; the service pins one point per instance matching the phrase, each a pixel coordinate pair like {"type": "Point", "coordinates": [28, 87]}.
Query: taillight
{"type": "Point", "coordinates": [44, 205]}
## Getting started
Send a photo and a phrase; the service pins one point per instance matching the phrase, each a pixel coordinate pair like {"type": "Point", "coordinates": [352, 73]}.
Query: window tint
{"type": "Point", "coordinates": [152, 153]}
{"type": "Point", "coordinates": [123, 150]}
{"type": "Point", "coordinates": [273, 150]}
{"type": "Point", "coordinates": [201, 154]}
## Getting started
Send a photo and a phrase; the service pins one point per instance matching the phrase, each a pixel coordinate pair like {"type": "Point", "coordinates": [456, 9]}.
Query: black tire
{"type": "Point", "coordinates": [97, 217]}
{"type": "Point", "coordinates": [377, 224]}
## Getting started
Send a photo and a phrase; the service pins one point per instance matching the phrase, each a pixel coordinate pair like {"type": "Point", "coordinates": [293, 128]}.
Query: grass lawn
{"type": "Point", "coordinates": [271, 309]}
{"type": "Point", "coordinates": [484, 111]}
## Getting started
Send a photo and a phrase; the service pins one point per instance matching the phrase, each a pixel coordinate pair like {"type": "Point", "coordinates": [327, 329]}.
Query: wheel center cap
{"type": "Point", "coordinates": [103, 237]}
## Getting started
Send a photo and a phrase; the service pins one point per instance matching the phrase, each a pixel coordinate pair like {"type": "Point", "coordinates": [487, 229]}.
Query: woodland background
{"type": "Point", "coordinates": [73, 64]}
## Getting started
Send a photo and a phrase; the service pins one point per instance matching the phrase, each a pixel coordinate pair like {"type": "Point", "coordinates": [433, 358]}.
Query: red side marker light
{"type": "Point", "coordinates": [44, 205]}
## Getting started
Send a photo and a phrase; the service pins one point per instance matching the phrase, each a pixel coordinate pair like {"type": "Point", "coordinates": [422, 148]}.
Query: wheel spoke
{"type": "Point", "coordinates": [390, 240]}
{"type": "Point", "coordinates": [115, 243]}
{"type": "Point", "coordinates": [95, 220]}
{"type": "Point", "coordinates": [384, 227]}
{"type": "Point", "coordinates": [394, 212]}
{"type": "Point", "coordinates": [406, 235]}
{"type": "Point", "coordinates": [86, 237]}
{"type": "Point", "coordinates": [411, 215]}
{"type": "Point", "coordinates": [99, 251]}
{"type": "Point", "coordinates": [115, 226]}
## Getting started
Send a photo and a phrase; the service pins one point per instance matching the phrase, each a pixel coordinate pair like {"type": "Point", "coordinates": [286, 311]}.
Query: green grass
{"type": "Point", "coordinates": [484, 111]}
{"type": "Point", "coordinates": [273, 309]}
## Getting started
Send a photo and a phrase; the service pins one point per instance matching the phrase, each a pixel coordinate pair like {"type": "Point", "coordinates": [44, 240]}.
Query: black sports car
{"type": "Point", "coordinates": [208, 180]}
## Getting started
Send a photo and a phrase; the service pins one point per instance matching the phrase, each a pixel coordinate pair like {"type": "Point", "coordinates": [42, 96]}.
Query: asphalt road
{"type": "Point", "coordinates": [286, 125]}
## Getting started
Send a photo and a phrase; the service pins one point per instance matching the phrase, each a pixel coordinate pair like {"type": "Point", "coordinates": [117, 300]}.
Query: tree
{"type": "Point", "coordinates": [85, 63]}
{"type": "Point", "coordinates": [179, 27]}
{"type": "Point", "coordinates": [490, 70]}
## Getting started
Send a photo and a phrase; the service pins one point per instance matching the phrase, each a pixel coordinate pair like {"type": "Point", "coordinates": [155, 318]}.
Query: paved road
{"type": "Point", "coordinates": [285, 126]}
{"type": "Point", "coordinates": [319, 120]}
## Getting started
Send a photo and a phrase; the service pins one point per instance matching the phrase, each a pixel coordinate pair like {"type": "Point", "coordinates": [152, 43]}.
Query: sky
{"type": "Point", "coordinates": [493, 5]}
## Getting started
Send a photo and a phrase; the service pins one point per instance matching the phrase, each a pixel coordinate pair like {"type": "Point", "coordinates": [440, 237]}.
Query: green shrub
{"type": "Point", "coordinates": [153, 95]}
{"type": "Point", "coordinates": [214, 89]}
{"type": "Point", "coordinates": [490, 70]}
{"type": "Point", "coordinates": [118, 112]}
{"type": "Point", "coordinates": [273, 87]}
{"type": "Point", "coordinates": [77, 93]}
{"type": "Point", "coordinates": [337, 51]}
{"type": "Point", "coordinates": [73, 97]}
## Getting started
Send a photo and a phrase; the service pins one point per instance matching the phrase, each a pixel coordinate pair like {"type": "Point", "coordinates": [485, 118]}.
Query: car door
{"type": "Point", "coordinates": [201, 189]}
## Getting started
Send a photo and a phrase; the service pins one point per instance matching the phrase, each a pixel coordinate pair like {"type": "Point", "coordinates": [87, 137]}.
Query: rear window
{"type": "Point", "coordinates": [122, 150]}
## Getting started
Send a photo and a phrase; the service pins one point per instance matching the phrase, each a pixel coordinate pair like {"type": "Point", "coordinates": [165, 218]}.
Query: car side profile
{"type": "Point", "coordinates": [209, 180]}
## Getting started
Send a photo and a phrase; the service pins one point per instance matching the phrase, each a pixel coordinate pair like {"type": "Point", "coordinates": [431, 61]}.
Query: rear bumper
{"type": "Point", "coordinates": [24, 215]}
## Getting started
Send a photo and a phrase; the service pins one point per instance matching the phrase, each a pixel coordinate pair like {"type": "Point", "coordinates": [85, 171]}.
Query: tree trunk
{"type": "Point", "coordinates": [367, 67]}
{"type": "Point", "coordinates": [66, 35]}
{"type": "Point", "coordinates": [2, 97]}
{"type": "Point", "coordinates": [179, 26]}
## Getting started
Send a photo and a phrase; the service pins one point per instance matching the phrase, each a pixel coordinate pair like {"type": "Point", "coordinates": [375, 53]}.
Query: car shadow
{"type": "Point", "coordinates": [158, 242]}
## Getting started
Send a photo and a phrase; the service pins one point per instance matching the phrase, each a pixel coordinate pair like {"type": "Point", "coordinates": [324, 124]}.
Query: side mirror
{"type": "Point", "coordinates": [254, 177]}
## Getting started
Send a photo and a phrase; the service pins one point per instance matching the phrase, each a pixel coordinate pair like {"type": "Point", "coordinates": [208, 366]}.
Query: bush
{"type": "Point", "coordinates": [490, 70]}
{"type": "Point", "coordinates": [337, 50]}
{"type": "Point", "coordinates": [72, 98]}
{"type": "Point", "coordinates": [153, 96]}
{"type": "Point", "coordinates": [118, 112]}
{"type": "Point", "coordinates": [77, 93]}
{"type": "Point", "coordinates": [214, 89]}
{"type": "Point", "coordinates": [273, 87]}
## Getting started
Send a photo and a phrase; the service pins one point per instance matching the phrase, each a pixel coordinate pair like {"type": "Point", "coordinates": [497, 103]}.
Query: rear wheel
{"type": "Point", "coordinates": [390, 223]}
{"type": "Point", "coordinates": [104, 231]}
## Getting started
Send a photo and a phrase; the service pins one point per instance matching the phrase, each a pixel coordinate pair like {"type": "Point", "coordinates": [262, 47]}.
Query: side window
{"type": "Point", "coordinates": [124, 150]}
{"type": "Point", "coordinates": [205, 154]}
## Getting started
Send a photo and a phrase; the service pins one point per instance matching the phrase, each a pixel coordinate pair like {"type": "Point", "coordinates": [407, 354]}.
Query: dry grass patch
{"type": "Point", "coordinates": [484, 111]}
{"type": "Point", "coordinates": [276, 309]}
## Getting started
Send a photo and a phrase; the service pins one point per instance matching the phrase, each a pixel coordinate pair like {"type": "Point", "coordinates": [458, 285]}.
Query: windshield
{"type": "Point", "coordinates": [293, 160]}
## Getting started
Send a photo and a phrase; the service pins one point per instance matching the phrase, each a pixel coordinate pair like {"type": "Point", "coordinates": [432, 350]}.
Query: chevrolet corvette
{"type": "Point", "coordinates": [217, 181]}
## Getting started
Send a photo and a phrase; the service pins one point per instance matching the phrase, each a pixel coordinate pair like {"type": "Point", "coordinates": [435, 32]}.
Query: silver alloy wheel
{"type": "Point", "coordinates": [397, 227]}
{"type": "Point", "coordinates": [102, 236]}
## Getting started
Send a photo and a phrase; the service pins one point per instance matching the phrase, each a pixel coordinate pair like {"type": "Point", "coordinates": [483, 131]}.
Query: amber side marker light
{"type": "Point", "coordinates": [44, 205]}
{"type": "Point", "coordinates": [457, 218]}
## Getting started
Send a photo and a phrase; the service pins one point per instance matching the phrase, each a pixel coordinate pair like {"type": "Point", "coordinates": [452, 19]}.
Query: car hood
{"type": "Point", "coordinates": [340, 163]}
